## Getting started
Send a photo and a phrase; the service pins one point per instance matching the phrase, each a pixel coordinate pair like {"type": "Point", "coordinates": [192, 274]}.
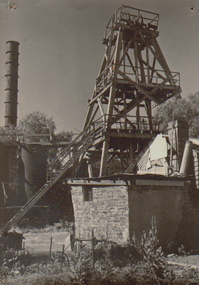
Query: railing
{"type": "Point", "coordinates": [128, 123]}
{"type": "Point", "coordinates": [86, 137]}
{"type": "Point", "coordinates": [24, 138]}
{"type": "Point", "coordinates": [93, 131]}
{"type": "Point", "coordinates": [125, 13]}
{"type": "Point", "coordinates": [144, 75]}
{"type": "Point", "coordinates": [136, 17]}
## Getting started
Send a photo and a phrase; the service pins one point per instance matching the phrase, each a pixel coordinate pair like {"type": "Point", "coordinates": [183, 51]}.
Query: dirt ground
{"type": "Point", "coordinates": [38, 241]}
{"type": "Point", "coordinates": [189, 261]}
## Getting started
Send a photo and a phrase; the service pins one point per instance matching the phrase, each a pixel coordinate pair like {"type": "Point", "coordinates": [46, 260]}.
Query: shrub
{"type": "Point", "coordinates": [152, 253]}
{"type": "Point", "coordinates": [119, 255]}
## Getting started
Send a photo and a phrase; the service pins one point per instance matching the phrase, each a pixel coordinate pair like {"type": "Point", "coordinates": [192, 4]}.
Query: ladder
{"type": "Point", "coordinates": [70, 154]}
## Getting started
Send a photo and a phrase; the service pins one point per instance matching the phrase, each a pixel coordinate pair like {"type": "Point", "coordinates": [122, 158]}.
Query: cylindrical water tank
{"type": "Point", "coordinates": [34, 160]}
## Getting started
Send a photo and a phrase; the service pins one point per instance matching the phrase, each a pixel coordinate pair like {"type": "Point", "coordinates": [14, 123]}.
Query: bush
{"type": "Point", "coordinates": [152, 253]}
{"type": "Point", "coordinates": [119, 255]}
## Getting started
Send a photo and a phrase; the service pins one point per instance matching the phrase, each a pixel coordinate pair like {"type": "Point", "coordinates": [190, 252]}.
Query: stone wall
{"type": "Point", "coordinates": [175, 207]}
{"type": "Point", "coordinates": [116, 212]}
{"type": "Point", "coordinates": [107, 214]}
{"type": "Point", "coordinates": [165, 203]}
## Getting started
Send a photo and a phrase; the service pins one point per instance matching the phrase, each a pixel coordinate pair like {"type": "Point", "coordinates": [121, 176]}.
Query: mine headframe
{"type": "Point", "coordinates": [134, 77]}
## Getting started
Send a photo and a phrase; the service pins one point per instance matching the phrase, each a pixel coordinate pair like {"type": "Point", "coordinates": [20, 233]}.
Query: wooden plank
{"type": "Point", "coordinates": [148, 94]}
{"type": "Point", "coordinates": [153, 182]}
{"type": "Point", "coordinates": [95, 183]}
{"type": "Point", "coordinates": [129, 135]}
{"type": "Point", "coordinates": [99, 95]}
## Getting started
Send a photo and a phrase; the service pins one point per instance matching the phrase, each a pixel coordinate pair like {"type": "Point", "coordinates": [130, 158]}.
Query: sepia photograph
{"type": "Point", "coordinates": [99, 142]}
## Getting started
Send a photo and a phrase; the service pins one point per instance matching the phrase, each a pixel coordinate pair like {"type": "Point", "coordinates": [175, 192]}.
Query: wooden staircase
{"type": "Point", "coordinates": [68, 157]}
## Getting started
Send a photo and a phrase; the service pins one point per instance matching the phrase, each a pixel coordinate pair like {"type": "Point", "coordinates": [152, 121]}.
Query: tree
{"type": "Point", "coordinates": [194, 128]}
{"type": "Point", "coordinates": [63, 137]}
{"type": "Point", "coordinates": [186, 109]}
{"type": "Point", "coordinates": [8, 134]}
{"type": "Point", "coordinates": [36, 123]}
{"type": "Point", "coordinates": [37, 127]}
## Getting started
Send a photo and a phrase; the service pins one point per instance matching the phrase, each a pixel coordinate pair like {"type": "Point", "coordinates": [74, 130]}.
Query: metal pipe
{"type": "Point", "coordinates": [11, 97]}
{"type": "Point", "coordinates": [186, 158]}
{"type": "Point", "coordinates": [27, 156]}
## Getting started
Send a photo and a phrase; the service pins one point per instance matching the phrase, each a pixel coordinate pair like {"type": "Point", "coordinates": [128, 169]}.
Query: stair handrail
{"type": "Point", "coordinates": [24, 209]}
{"type": "Point", "coordinates": [81, 135]}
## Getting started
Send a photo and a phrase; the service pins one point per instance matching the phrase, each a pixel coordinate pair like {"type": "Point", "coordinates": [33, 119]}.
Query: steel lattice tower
{"type": "Point", "coordinates": [133, 78]}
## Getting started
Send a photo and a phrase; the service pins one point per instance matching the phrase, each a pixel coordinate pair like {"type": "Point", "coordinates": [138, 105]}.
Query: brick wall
{"type": "Point", "coordinates": [107, 214]}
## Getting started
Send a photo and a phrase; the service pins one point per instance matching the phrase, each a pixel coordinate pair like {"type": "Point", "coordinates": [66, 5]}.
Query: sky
{"type": "Point", "coordinates": [61, 51]}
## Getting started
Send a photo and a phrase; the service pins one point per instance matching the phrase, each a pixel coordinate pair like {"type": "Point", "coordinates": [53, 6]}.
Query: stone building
{"type": "Point", "coordinates": [118, 207]}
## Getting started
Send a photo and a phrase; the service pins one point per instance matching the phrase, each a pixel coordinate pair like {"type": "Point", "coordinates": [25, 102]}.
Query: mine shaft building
{"type": "Point", "coordinates": [121, 169]}
{"type": "Point", "coordinates": [120, 206]}
{"type": "Point", "coordinates": [151, 182]}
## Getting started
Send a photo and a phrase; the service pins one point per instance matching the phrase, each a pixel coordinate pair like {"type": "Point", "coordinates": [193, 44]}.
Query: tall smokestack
{"type": "Point", "coordinates": [12, 83]}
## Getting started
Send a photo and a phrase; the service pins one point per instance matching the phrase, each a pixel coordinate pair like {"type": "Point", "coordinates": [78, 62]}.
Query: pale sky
{"type": "Point", "coordinates": [61, 51]}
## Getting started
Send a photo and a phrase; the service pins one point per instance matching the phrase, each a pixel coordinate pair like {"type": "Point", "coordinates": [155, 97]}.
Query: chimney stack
{"type": "Point", "coordinates": [11, 97]}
